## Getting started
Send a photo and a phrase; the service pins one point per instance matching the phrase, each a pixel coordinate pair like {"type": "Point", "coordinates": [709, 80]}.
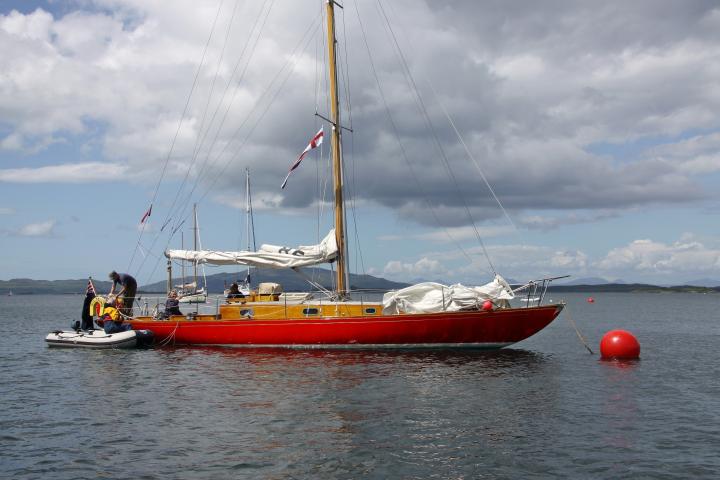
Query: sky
{"type": "Point", "coordinates": [532, 139]}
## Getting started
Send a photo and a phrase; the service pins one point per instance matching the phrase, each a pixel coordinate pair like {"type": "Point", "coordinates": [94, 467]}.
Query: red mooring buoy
{"type": "Point", "coordinates": [487, 305]}
{"type": "Point", "coordinates": [591, 300]}
{"type": "Point", "coordinates": [619, 344]}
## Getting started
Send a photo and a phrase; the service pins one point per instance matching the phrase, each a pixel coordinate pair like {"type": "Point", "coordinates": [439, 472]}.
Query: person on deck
{"type": "Point", "coordinates": [127, 292]}
{"type": "Point", "coordinates": [234, 292]}
{"type": "Point", "coordinates": [172, 304]}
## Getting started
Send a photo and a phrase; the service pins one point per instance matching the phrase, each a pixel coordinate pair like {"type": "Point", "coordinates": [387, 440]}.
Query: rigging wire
{"type": "Point", "coordinates": [352, 194]}
{"type": "Point", "coordinates": [470, 155]}
{"type": "Point", "coordinates": [202, 171]}
{"type": "Point", "coordinates": [177, 132]}
{"type": "Point", "coordinates": [200, 138]}
{"type": "Point", "coordinates": [171, 211]}
{"type": "Point", "coordinates": [292, 60]}
{"type": "Point", "coordinates": [443, 155]}
{"type": "Point", "coordinates": [462, 141]}
{"type": "Point", "coordinates": [396, 133]}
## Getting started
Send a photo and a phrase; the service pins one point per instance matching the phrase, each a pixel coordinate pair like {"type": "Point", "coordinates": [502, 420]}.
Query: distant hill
{"type": "Point", "coordinates": [588, 281]}
{"type": "Point", "coordinates": [631, 288]}
{"type": "Point", "coordinates": [216, 283]}
{"type": "Point", "coordinates": [705, 282]}
{"type": "Point", "coordinates": [290, 281]}
{"type": "Point", "coordinates": [26, 286]}
{"type": "Point", "coordinates": [293, 282]}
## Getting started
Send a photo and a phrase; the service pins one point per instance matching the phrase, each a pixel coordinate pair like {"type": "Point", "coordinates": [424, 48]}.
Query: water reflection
{"type": "Point", "coordinates": [489, 359]}
{"type": "Point", "coordinates": [619, 402]}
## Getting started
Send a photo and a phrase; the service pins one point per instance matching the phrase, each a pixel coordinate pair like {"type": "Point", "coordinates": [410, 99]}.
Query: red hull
{"type": "Point", "coordinates": [471, 329]}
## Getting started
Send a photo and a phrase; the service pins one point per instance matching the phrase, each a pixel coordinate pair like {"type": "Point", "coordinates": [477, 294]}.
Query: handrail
{"type": "Point", "coordinates": [533, 286]}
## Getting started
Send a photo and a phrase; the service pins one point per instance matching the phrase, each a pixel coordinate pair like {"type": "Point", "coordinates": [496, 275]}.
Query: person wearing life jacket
{"type": "Point", "coordinates": [127, 292]}
{"type": "Point", "coordinates": [112, 320]}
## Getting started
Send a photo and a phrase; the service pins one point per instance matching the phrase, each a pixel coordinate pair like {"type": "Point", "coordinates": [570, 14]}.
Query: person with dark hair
{"type": "Point", "coordinates": [172, 304]}
{"type": "Point", "coordinates": [127, 292]}
{"type": "Point", "coordinates": [234, 292]}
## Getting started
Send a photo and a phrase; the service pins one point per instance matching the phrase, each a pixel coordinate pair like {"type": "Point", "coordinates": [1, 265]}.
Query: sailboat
{"type": "Point", "coordinates": [244, 285]}
{"type": "Point", "coordinates": [426, 315]}
{"type": "Point", "coordinates": [189, 292]}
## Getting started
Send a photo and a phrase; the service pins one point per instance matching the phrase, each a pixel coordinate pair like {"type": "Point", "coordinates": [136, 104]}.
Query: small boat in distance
{"type": "Point", "coordinates": [423, 316]}
{"type": "Point", "coordinates": [189, 292]}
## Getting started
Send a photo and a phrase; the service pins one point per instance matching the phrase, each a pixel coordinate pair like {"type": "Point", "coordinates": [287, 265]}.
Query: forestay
{"type": "Point", "coordinates": [268, 256]}
{"type": "Point", "coordinates": [430, 297]}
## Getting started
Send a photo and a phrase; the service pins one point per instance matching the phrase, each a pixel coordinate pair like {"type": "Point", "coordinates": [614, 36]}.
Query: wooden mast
{"type": "Point", "coordinates": [195, 244]}
{"type": "Point", "coordinates": [342, 286]}
{"type": "Point", "coordinates": [247, 219]}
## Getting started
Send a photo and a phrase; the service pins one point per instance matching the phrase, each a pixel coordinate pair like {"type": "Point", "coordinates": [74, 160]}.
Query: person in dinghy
{"type": "Point", "coordinates": [112, 320]}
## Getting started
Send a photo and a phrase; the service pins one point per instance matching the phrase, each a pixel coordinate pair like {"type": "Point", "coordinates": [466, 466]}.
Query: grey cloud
{"type": "Point", "coordinates": [529, 84]}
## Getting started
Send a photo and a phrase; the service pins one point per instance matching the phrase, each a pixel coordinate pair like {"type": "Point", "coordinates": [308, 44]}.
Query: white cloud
{"type": "Point", "coordinates": [528, 99]}
{"type": "Point", "coordinates": [650, 257]}
{"type": "Point", "coordinates": [452, 234]}
{"type": "Point", "coordinates": [69, 173]}
{"type": "Point", "coordinates": [7, 211]}
{"type": "Point", "coordinates": [422, 268]}
{"type": "Point", "coordinates": [41, 229]}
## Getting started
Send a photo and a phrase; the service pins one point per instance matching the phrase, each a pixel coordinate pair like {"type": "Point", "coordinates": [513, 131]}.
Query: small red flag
{"type": "Point", "coordinates": [147, 214]}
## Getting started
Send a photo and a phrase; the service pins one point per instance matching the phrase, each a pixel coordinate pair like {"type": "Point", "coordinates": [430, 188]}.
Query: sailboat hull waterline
{"type": "Point", "coordinates": [465, 329]}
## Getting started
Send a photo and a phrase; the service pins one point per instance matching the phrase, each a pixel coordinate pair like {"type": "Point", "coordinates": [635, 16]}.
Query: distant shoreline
{"type": "Point", "coordinates": [45, 289]}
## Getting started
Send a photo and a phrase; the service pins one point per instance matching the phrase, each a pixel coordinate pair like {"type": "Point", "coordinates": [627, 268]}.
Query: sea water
{"type": "Point", "coordinates": [545, 408]}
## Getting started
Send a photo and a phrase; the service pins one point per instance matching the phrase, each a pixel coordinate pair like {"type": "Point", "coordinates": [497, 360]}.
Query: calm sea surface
{"type": "Point", "coordinates": [545, 408]}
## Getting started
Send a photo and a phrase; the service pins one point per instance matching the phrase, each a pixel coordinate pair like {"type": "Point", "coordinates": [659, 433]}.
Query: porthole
{"type": "Point", "coordinates": [310, 311]}
{"type": "Point", "coordinates": [370, 311]}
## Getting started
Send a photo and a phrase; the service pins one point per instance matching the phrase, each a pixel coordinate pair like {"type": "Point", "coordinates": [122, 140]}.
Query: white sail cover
{"type": "Point", "coordinates": [432, 297]}
{"type": "Point", "coordinates": [268, 256]}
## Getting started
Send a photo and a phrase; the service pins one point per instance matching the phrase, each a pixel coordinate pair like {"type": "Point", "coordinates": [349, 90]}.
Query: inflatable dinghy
{"type": "Point", "coordinates": [99, 339]}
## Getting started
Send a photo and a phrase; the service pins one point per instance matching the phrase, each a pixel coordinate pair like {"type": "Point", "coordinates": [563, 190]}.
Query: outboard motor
{"type": "Point", "coordinates": [144, 338]}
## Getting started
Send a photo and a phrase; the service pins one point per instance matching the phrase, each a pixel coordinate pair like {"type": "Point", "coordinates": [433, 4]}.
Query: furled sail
{"type": "Point", "coordinates": [267, 256]}
{"type": "Point", "coordinates": [432, 297]}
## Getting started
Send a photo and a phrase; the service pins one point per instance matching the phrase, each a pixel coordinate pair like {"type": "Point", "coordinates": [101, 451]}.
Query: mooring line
{"type": "Point", "coordinates": [572, 322]}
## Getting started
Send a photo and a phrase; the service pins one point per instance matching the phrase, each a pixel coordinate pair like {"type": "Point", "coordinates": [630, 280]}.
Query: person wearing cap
{"type": "Point", "coordinates": [127, 292]}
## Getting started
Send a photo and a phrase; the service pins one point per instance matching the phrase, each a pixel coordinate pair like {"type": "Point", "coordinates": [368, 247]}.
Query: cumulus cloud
{"type": "Point", "coordinates": [648, 257]}
{"type": "Point", "coordinates": [68, 173]}
{"type": "Point", "coordinates": [452, 234]}
{"type": "Point", "coordinates": [530, 86]}
{"type": "Point", "coordinates": [423, 268]}
{"type": "Point", "coordinates": [41, 229]}
{"type": "Point", "coordinates": [550, 222]}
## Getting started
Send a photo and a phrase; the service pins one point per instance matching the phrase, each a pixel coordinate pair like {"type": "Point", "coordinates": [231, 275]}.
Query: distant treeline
{"type": "Point", "coordinates": [216, 283]}
{"type": "Point", "coordinates": [26, 286]}
{"type": "Point", "coordinates": [292, 282]}
{"type": "Point", "coordinates": [632, 287]}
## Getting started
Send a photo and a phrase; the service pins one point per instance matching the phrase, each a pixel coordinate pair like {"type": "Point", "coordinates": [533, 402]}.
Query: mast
{"type": "Point", "coordinates": [182, 264]}
{"type": "Point", "coordinates": [342, 274]}
{"type": "Point", "coordinates": [195, 243]}
{"type": "Point", "coordinates": [247, 218]}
